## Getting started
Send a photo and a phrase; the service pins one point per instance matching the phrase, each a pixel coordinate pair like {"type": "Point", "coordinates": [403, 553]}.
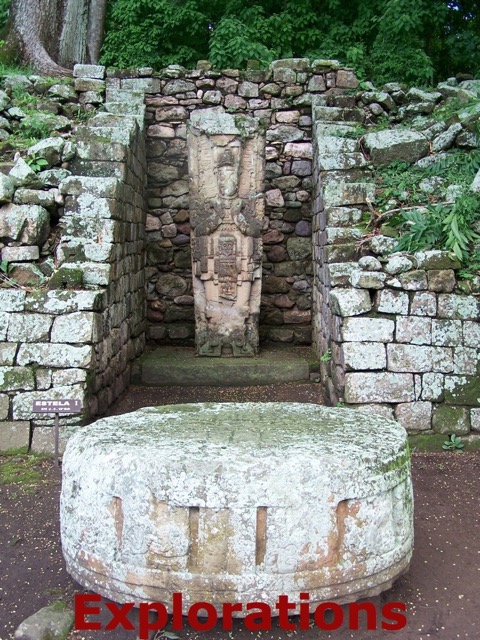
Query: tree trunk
{"type": "Point", "coordinates": [35, 26]}
{"type": "Point", "coordinates": [73, 40]}
{"type": "Point", "coordinates": [53, 35]}
{"type": "Point", "coordinates": [96, 27]}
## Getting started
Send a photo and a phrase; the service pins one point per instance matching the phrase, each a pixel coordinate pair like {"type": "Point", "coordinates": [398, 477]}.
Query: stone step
{"type": "Point", "coordinates": [180, 366]}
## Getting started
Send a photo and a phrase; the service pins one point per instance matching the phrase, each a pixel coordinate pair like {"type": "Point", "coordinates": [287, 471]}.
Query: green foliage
{"type": "Point", "coordinates": [441, 226]}
{"type": "Point", "coordinates": [426, 220]}
{"type": "Point", "coordinates": [36, 163]}
{"type": "Point", "coordinates": [419, 230]}
{"type": "Point", "coordinates": [156, 33]}
{"type": "Point", "coordinates": [326, 357]}
{"type": "Point", "coordinates": [35, 127]}
{"type": "Point", "coordinates": [4, 12]}
{"type": "Point", "coordinates": [414, 41]}
{"type": "Point", "coordinates": [472, 269]}
{"type": "Point", "coordinates": [453, 443]}
{"type": "Point", "coordinates": [232, 44]}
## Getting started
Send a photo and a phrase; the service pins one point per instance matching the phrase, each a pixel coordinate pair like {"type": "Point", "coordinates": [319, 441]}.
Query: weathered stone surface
{"type": "Point", "coordinates": [299, 248]}
{"type": "Point", "coordinates": [64, 91]}
{"type": "Point", "coordinates": [89, 71]}
{"type": "Point", "coordinates": [419, 359]}
{"type": "Point", "coordinates": [424, 304]}
{"type": "Point", "coordinates": [303, 229]}
{"type": "Point", "coordinates": [451, 420]}
{"type": "Point", "coordinates": [458, 307]}
{"type": "Point", "coordinates": [346, 79]}
{"type": "Point", "coordinates": [382, 245]}
{"type": "Point", "coordinates": [80, 327]}
{"type": "Point", "coordinates": [53, 177]}
{"type": "Point", "coordinates": [14, 435]}
{"type": "Point", "coordinates": [226, 168]}
{"type": "Point", "coordinates": [57, 302]}
{"type": "Point", "coordinates": [415, 416]}
{"type": "Point", "coordinates": [369, 263]}
{"type": "Point", "coordinates": [379, 387]}
{"type": "Point", "coordinates": [364, 355]}
{"type": "Point", "coordinates": [374, 329]}
{"type": "Point", "coordinates": [299, 149]}
{"type": "Point", "coordinates": [413, 280]}
{"type": "Point", "coordinates": [54, 355]}
{"type": "Point", "coordinates": [32, 327]}
{"type": "Point", "coordinates": [49, 623]}
{"type": "Point", "coordinates": [399, 145]}
{"type": "Point", "coordinates": [284, 133]}
{"type": "Point", "coordinates": [384, 410]}
{"type": "Point", "coordinates": [274, 198]}
{"type": "Point", "coordinates": [368, 279]}
{"type": "Point", "coordinates": [48, 148]}
{"type": "Point", "coordinates": [264, 511]}
{"type": "Point", "coordinates": [22, 175]}
{"type": "Point", "coordinates": [465, 361]}
{"type": "Point", "coordinates": [441, 280]}
{"type": "Point", "coordinates": [4, 406]}
{"type": "Point", "coordinates": [432, 386]}
{"type": "Point", "coordinates": [12, 300]}
{"type": "Point", "coordinates": [398, 264]}
{"type": "Point", "coordinates": [414, 330]}
{"type": "Point", "coordinates": [475, 419]}
{"type": "Point", "coordinates": [388, 301]}
{"type": "Point", "coordinates": [7, 187]}
{"type": "Point", "coordinates": [349, 302]}
{"type": "Point", "coordinates": [35, 196]}
{"type": "Point", "coordinates": [446, 139]}
{"type": "Point", "coordinates": [275, 284]}
{"type": "Point", "coordinates": [435, 259]}
{"type": "Point", "coordinates": [16, 379]}
{"type": "Point", "coordinates": [20, 254]}
{"type": "Point", "coordinates": [447, 332]}
{"type": "Point", "coordinates": [28, 224]}
{"type": "Point", "coordinates": [462, 390]}
{"type": "Point", "coordinates": [343, 193]}
{"type": "Point", "coordinates": [471, 334]}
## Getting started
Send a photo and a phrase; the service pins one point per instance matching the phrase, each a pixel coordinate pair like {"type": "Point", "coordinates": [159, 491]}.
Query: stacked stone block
{"type": "Point", "coordinates": [397, 333]}
{"type": "Point", "coordinates": [281, 97]}
{"type": "Point", "coordinates": [78, 338]}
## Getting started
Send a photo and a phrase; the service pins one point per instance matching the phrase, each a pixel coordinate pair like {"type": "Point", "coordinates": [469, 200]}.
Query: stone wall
{"type": "Point", "coordinates": [281, 97]}
{"type": "Point", "coordinates": [77, 335]}
{"type": "Point", "coordinates": [396, 333]}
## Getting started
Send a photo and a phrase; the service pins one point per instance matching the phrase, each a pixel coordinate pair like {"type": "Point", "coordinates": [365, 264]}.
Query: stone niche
{"type": "Point", "coordinates": [226, 171]}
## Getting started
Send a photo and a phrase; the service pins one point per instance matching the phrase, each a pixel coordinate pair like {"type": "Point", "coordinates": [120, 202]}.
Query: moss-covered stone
{"type": "Point", "coordinates": [462, 390]}
{"type": "Point", "coordinates": [66, 279]}
{"type": "Point", "coordinates": [16, 379]}
{"type": "Point", "coordinates": [448, 420]}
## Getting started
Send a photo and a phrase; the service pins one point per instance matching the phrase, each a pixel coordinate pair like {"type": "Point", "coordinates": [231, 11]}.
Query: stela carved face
{"type": "Point", "coordinates": [228, 168]}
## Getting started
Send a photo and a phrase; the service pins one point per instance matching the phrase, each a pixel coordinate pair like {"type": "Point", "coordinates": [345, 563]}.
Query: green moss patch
{"type": "Point", "coordinates": [22, 468]}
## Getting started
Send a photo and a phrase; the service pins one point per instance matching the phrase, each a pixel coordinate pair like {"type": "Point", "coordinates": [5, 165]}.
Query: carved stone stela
{"type": "Point", "coordinates": [226, 169]}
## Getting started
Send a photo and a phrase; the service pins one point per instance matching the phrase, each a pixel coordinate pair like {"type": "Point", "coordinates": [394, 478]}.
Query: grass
{"type": "Point", "coordinates": [428, 443]}
{"type": "Point", "coordinates": [19, 467]}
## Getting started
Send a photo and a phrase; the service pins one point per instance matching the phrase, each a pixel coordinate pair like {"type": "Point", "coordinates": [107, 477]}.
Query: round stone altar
{"type": "Point", "coordinates": [237, 502]}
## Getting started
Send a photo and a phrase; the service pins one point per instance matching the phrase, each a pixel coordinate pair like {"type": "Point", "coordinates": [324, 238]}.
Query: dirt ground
{"type": "Point", "coordinates": [440, 590]}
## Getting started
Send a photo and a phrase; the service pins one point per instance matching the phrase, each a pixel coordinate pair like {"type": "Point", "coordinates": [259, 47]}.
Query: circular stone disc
{"type": "Point", "coordinates": [237, 502]}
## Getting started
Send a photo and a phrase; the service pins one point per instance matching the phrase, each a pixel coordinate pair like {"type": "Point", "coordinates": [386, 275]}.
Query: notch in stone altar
{"type": "Point", "coordinates": [226, 168]}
